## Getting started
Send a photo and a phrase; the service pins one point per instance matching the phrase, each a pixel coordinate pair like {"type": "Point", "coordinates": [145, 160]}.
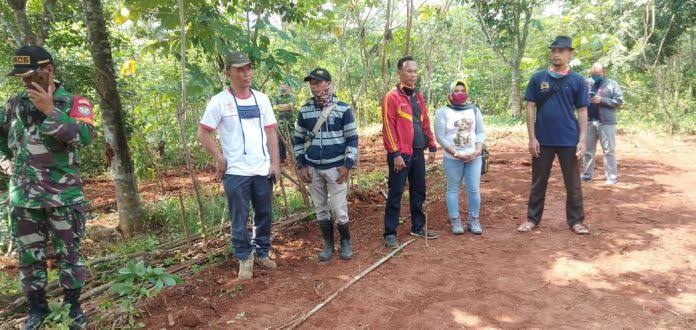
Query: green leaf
{"type": "Point", "coordinates": [169, 280]}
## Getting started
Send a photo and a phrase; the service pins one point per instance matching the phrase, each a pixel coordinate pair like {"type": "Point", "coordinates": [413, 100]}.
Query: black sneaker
{"type": "Point", "coordinates": [391, 242]}
{"type": "Point", "coordinates": [421, 233]}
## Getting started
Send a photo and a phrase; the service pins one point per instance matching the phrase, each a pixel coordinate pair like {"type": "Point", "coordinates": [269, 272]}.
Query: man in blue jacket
{"type": "Point", "coordinates": [326, 146]}
{"type": "Point", "coordinates": [606, 97]}
{"type": "Point", "coordinates": [552, 97]}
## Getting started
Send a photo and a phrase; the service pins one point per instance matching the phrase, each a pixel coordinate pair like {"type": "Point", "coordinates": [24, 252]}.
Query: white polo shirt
{"type": "Point", "coordinates": [241, 124]}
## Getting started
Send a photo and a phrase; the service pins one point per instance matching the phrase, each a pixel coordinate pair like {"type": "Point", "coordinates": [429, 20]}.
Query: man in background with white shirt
{"type": "Point", "coordinates": [248, 162]}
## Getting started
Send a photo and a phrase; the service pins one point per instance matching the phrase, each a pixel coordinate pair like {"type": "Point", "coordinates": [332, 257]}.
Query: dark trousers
{"type": "Point", "coordinates": [239, 191]}
{"type": "Point", "coordinates": [415, 173]}
{"type": "Point", "coordinates": [541, 169]}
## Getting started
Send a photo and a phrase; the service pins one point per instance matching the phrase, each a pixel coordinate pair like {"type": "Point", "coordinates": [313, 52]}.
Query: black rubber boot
{"type": "Point", "coordinates": [327, 232]}
{"type": "Point", "coordinates": [38, 309]}
{"type": "Point", "coordinates": [79, 320]}
{"type": "Point", "coordinates": [346, 249]}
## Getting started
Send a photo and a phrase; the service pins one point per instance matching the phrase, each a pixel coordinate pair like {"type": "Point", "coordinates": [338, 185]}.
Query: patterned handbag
{"type": "Point", "coordinates": [485, 164]}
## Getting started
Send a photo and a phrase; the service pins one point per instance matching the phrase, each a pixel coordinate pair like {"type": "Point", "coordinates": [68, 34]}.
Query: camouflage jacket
{"type": "Point", "coordinates": [43, 149]}
{"type": "Point", "coordinates": [285, 116]}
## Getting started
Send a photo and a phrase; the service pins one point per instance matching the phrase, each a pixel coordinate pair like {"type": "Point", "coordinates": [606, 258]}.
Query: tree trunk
{"type": "Point", "coordinates": [385, 41]}
{"type": "Point", "coordinates": [409, 24]}
{"type": "Point", "coordinates": [46, 21]}
{"type": "Point", "coordinates": [16, 38]}
{"type": "Point", "coordinates": [19, 8]}
{"type": "Point", "coordinates": [127, 198]}
{"type": "Point", "coordinates": [516, 97]}
{"type": "Point", "coordinates": [658, 76]}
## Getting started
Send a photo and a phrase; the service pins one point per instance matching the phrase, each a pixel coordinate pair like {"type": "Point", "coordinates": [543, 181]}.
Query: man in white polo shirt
{"type": "Point", "coordinates": [248, 162]}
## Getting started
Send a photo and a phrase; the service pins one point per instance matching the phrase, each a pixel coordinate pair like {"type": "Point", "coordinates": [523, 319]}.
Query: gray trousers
{"type": "Point", "coordinates": [606, 135]}
{"type": "Point", "coordinates": [324, 191]}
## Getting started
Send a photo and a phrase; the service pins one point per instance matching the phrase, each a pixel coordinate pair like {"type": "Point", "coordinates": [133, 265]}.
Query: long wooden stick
{"type": "Point", "coordinates": [298, 321]}
{"type": "Point", "coordinates": [183, 218]}
{"type": "Point", "coordinates": [285, 198]}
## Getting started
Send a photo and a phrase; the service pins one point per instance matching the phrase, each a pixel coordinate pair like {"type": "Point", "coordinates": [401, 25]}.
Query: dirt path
{"type": "Point", "coordinates": [636, 270]}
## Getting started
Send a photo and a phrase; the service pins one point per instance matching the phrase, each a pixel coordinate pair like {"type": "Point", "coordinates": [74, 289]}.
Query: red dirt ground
{"type": "Point", "coordinates": [636, 270]}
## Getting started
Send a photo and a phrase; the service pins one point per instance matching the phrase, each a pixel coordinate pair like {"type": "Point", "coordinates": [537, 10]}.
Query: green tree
{"type": "Point", "coordinates": [118, 153]}
{"type": "Point", "coordinates": [506, 25]}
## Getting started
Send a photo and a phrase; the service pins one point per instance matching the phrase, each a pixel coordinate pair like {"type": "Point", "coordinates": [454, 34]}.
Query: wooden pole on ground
{"type": "Point", "coordinates": [298, 321]}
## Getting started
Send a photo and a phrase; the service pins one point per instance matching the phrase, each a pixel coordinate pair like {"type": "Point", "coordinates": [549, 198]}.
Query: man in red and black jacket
{"type": "Point", "coordinates": [406, 133]}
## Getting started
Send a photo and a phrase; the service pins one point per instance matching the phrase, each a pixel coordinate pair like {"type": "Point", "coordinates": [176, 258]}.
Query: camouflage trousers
{"type": "Point", "coordinates": [31, 229]}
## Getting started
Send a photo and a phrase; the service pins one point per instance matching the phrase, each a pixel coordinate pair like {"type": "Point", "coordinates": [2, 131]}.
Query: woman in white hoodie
{"type": "Point", "coordinates": [459, 130]}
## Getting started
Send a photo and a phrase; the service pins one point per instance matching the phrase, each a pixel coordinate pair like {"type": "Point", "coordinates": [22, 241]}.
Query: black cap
{"type": "Point", "coordinates": [318, 74]}
{"type": "Point", "coordinates": [236, 59]}
{"type": "Point", "coordinates": [29, 58]}
{"type": "Point", "coordinates": [562, 42]}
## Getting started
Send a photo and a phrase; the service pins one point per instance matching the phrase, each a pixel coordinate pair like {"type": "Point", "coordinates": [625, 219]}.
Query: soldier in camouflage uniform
{"type": "Point", "coordinates": [41, 129]}
{"type": "Point", "coordinates": [284, 106]}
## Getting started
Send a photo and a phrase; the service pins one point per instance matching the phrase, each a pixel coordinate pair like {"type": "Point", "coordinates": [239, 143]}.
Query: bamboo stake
{"type": "Point", "coordinates": [285, 198]}
{"type": "Point", "coordinates": [298, 321]}
{"type": "Point", "coordinates": [222, 219]}
{"type": "Point", "coordinates": [181, 112]}
{"type": "Point", "coordinates": [183, 219]}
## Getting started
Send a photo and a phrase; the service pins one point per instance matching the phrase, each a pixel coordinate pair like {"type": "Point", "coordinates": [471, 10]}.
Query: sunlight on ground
{"type": "Point", "coordinates": [684, 303]}
{"type": "Point", "coordinates": [465, 319]}
{"type": "Point", "coordinates": [507, 318]}
{"type": "Point", "coordinates": [664, 259]}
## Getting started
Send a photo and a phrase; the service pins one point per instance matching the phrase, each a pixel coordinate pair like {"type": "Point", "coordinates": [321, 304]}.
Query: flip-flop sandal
{"type": "Point", "coordinates": [580, 229]}
{"type": "Point", "coordinates": [526, 227]}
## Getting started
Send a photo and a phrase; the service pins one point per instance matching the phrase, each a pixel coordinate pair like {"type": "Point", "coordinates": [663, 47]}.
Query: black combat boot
{"type": "Point", "coordinates": [38, 309]}
{"type": "Point", "coordinates": [79, 320]}
{"type": "Point", "coordinates": [346, 248]}
{"type": "Point", "coordinates": [327, 232]}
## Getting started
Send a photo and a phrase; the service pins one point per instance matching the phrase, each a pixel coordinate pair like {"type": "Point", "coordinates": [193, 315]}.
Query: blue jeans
{"type": "Point", "coordinates": [455, 171]}
{"type": "Point", "coordinates": [239, 191]}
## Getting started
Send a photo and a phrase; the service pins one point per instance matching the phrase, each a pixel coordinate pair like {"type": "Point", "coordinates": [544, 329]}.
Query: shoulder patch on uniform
{"type": "Point", "coordinates": [343, 104]}
{"type": "Point", "coordinates": [82, 110]}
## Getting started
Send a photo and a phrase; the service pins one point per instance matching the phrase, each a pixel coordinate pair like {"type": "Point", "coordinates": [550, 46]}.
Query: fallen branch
{"type": "Point", "coordinates": [298, 321]}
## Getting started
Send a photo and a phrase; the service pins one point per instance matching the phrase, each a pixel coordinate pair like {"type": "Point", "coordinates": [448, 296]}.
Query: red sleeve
{"type": "Point", "coordinates": [206, 127]}
{"type": "Point", "coordinates": [389, 133]}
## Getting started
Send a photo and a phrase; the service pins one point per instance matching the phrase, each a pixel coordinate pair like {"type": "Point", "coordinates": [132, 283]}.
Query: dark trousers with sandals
{"type": "Point", "coordinates": [414, 172]}
{"type": "Point", "coordinates": [541, 169]}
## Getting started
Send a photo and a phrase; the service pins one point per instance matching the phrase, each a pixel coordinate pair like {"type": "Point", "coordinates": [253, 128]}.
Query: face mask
{"type": "Point", "coordinates": [597, 79]}
{"type": "Point", "coordinates": [324, 98]}
{"type": "Point", "coordinates": [459, 98]}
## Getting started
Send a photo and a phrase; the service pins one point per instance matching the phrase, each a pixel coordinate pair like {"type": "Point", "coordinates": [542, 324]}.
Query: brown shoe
{"type": "Point", "coordinates": [246, 268]}
{"type": "Point", "coordinates": [266, 263]}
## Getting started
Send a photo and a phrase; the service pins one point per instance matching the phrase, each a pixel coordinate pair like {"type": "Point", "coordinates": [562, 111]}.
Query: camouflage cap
{"type": "Point", "coordinates": [236, 59]}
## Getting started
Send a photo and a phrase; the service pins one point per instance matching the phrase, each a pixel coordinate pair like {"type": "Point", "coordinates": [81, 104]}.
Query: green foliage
{"type": "Point", "coordinates": [368, 180]}
{"type": "Point", "coordinates": [295, 203]}
{"type": "Point", "coordinates": [5, 234]}
{"type": "Point", "coordinates": [9, 286]}
{"type": "Point", "coordinates": [165, 215]}
{"type": "Point", "coordinates": [57, 318]}
{"type": "Point", "coordinates": [137, 279]}
{"type": "Point", "coordinates": [141, 243]}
